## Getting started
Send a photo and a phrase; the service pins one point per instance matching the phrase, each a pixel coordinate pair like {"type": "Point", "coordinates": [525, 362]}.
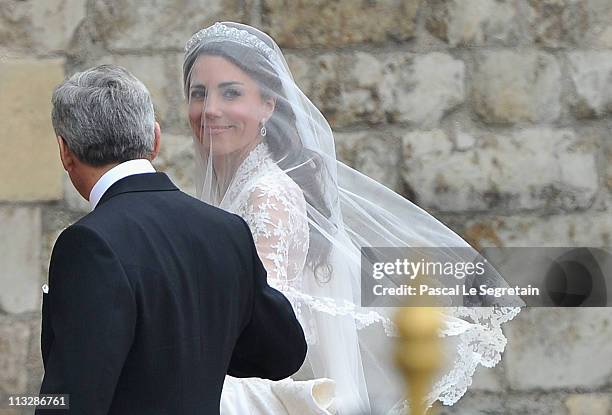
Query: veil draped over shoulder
{"type": "Point", "coordinates": [274, 164]}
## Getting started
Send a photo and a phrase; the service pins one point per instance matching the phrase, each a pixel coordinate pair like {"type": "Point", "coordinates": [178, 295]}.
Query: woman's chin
{"type": "Point", "coordinates": [221, 150]}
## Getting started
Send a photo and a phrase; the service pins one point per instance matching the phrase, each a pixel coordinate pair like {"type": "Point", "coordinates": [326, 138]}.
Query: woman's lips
{"type": "Point", "coordinates": [217, 129]}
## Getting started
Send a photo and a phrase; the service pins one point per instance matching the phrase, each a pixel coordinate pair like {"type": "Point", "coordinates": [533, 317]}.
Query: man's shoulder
{"type": "Point", "coordinates": [142, 206]}
{"type": "Point", "coordinates": [184, 203]}
{"type": "Point", "coordinates": [212, 213]}
{"type": "Point", "coordinates": [77, 235]}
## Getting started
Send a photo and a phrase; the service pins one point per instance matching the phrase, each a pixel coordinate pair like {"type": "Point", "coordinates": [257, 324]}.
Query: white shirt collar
{"type": "Point", "coordinates": [127, 168]}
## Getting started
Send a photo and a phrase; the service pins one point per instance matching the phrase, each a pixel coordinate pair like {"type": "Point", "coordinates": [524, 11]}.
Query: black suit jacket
{"type": "Point", "coordinates": [153, 298]}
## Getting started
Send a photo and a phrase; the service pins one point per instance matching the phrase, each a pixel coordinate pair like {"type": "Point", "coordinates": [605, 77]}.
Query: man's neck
{"type": "Point", "coordinates": [92, 175]}
{"type": "Point", "coordinates": [114, 174]}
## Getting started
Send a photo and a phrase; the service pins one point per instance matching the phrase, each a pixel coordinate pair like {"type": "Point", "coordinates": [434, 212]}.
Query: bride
{"type": "Point", "coordinates": [267, 154]}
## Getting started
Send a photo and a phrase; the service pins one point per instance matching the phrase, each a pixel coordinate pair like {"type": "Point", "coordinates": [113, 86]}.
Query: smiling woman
{"type": "Point", "coordinates": [226, 108]}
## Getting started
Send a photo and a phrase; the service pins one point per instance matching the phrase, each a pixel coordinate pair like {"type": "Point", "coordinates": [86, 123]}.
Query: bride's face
{"type": "Point", "coordinates": [225, 106]}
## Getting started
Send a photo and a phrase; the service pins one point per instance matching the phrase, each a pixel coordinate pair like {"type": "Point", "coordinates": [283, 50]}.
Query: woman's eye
{"type": "Point", "coordinates": [231, 93]}
{"type": "Point", "coordinates": [198, 94]}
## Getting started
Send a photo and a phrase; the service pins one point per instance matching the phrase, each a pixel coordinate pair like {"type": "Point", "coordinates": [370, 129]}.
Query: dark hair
{"type": "Point", "coordinates": [282, 138]}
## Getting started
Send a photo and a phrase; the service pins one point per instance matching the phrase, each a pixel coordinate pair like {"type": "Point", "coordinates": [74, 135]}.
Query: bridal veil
{"type": "Point", "coordinates": [335, 212]}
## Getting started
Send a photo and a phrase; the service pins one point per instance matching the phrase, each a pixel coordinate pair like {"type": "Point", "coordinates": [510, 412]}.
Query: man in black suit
{"type": "Point", "coordinates": [154, 296]}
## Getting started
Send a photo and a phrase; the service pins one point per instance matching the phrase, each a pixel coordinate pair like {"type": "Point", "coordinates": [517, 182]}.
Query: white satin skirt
{"type": "Point", "coordinates": [255, 396]}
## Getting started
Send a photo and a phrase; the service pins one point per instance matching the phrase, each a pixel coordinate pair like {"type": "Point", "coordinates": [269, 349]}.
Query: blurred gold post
{"type": "Point", "coordinates": [419, 352]}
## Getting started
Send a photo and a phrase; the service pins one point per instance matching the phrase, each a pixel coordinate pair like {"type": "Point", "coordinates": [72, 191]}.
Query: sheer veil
{"type": "Point", "coordinates": [329, 212]}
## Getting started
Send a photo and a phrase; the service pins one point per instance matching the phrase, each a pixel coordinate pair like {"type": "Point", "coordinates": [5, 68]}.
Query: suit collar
{"type": "Point", "coordinates": [145, 182]}
{"type": "Point", "coordinates": [127, 168]}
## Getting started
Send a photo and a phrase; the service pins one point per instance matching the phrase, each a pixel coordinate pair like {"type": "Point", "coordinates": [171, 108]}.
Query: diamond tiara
{"type": "Point", "coordinates": [221, 32]}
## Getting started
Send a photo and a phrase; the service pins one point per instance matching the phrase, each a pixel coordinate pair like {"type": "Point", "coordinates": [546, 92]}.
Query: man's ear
{"type": "Point", "coordinates": [65, 154]}
{"type": "Point", "coordinates": [156, 142]}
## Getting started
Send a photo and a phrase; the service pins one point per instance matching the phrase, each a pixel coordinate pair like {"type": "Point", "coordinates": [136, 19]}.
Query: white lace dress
{"type": "Point", "coordinates": [274, 207]}
{"type": "Point", "coordinates": [275, 210]}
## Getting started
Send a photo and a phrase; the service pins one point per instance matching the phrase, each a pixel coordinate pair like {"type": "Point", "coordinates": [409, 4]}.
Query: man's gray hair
{"type": "Point", "coordinates": [105, 115]}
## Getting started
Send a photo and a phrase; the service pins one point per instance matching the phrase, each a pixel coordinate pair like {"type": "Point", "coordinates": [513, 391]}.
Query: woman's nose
{"type": "Point", "coordinates": [211, 107]}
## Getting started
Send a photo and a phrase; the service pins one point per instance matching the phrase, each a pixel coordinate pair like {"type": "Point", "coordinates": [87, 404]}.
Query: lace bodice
{"type": "Point", "coordinates": [274, 208]}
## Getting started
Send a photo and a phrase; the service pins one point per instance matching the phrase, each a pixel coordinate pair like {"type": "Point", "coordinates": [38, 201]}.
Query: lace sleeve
{"type": "Point", "coordinates": [276, 213]}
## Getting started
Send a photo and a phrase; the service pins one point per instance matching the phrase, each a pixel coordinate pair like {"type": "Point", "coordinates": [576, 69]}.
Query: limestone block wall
{"type": "Point", "coordinates": [494, 115]}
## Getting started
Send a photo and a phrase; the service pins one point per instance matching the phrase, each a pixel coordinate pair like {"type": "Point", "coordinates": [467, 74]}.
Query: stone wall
{"type": "Point", "coordinates": [492, 114]}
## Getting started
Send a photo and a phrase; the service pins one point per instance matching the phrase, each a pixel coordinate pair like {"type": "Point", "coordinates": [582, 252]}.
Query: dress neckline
{"type": "Point", "coordinates": [248, 169]}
